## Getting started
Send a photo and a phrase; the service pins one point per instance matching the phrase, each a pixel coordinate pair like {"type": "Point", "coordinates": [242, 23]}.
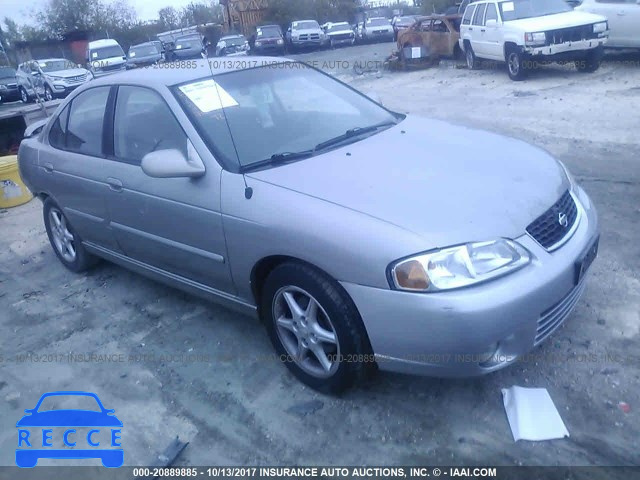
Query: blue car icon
{"type": "Point", "coordinates": [69, 418]}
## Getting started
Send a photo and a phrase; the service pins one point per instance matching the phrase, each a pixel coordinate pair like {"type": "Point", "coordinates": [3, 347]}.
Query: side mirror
{"type": "Point", "coordinates": [491, 23]}
{"type": "Point", "coordinates": [173, 164]}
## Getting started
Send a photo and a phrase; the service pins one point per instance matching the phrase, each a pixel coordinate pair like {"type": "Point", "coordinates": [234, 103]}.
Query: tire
{"type": "Point", "coordinates": [336, 332]}
{"type": "Point", "coordinates": [472, 61]}
{"type": "Point", "coordinates": [65, 242]}
{"type": "Point", "coordinates": [24, 96]}
{"type": "Point", "coordinates": [48, 93]}
{"type": "Point", "coordinates": [592, 61]}
{"type": "Point", "coordinates": [516, 64]}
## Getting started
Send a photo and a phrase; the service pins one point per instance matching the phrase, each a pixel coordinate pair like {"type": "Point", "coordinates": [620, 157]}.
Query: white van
{"type": "Point", "coordinates": [105, 57]}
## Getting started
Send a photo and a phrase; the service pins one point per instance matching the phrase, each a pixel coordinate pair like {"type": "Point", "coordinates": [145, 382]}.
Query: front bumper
{"type": "Point", "coordinates": [576, 50]}
{"type": "Point", "coordinates": [10, 95]}
{"type": "Point", "coordinates": [269, 49]}
{"type": "Point", "coordinates": [477, 330]}
{"type": "Point", "coordinates": [307, 43]}
{"type": "Point", "coordinates": [342, 41]}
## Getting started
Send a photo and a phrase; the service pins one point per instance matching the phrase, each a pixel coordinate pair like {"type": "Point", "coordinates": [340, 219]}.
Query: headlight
{"type": "Point", "coordinates": [600, 27]}
{"type": "Point", "coordinates": [3, 87]}
{"type": "Point", "coordinates": [55, 79]}
{"type": "Point", "coordinates": [459, 266]}
{"type": "Point", "coordinates": [258, 43]}
{"type": "Point", "coordinates": [280, 41]}
{"type": "Point", "coordinates": [537, 38]}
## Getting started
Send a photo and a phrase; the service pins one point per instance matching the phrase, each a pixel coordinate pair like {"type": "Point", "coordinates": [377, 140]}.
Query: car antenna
{"type": "Point", "coordinates": [248, 191]}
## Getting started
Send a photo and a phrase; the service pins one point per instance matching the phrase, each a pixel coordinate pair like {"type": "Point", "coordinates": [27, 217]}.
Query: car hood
{"type": "Point", "coordinates": [553, 22]}
{"type": "Point", "coordinates": [305, 31]}
{"type": "Point", "coordinates": [145, 58]}
{"type": "Point", "coordinates": [380, 27]}
{"type": "Point", "coordinates": [71, 72]}
{"type": "Point", "coordinates": [446, 183]}
{"type": "Point", "coordinates": [8, 80]}
{"type": "Point", "coordinates": [69, 418]}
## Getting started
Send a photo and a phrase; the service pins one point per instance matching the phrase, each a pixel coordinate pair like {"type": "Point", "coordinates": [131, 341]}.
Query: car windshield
{"type": "Point", "coordinates": [305, 25]}
{"type": "Point", "coordinates": [106, 52]}
{"type": "Point", "coordinates": [189, 42]}
{"type": "Point", "coordinates": [56, 65]}
{"type": "Point", "coordinates": [268, 32]}
{"type": "Point", "coordinates": [377, 22]}
{"type": "Point", "coordinates": [69, 402]}
{"type": "Point", "coordinates": [143, 50]}
{"type": "Point", "coordinates": [405, 21]}
{"type": "Point", "coordinates": [275, 109]}
{"type": "Point", "coordinates": [336, 27]}
{"type": "Point", "coordinates": [237, 40]}
{"type": "Point", "coordinates": [6, 72]}
{"type": "Point", "coordinates": [518, 9]}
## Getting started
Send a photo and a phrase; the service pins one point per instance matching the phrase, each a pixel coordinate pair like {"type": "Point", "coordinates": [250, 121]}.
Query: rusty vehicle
{"type": "Point", "coordinates": [437, 35]}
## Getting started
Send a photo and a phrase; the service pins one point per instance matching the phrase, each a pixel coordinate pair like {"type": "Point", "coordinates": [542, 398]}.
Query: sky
{"type": "Point", "coordinates": [19, 10]}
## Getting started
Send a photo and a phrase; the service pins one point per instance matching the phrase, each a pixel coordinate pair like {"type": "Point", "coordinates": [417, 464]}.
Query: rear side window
{"type": "Point", "coordinates": [84, 132]}
{"type": "Point", "coordinates": [468, 13]}
{"type": "Point", "coordinates": [58, 132]}
{"type": "Point", "coordinates": [144, 123]}
{"type": "Point", "coordinates": [479, 15]}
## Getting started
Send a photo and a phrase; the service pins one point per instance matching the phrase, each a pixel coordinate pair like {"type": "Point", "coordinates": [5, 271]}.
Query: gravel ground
{"type": "Point", "coordinates": [171, 364]}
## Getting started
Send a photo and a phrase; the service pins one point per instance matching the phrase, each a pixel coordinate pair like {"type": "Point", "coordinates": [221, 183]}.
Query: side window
{"type": "Point", "coordinates": [468, 13]}
{"type": "Point", "coordinates": [479, 15]}
{"type": "Point", "coordinates": [144, 123]}
{"type": "Point", "coordinates": [58, 132]}
{"type": "Point", "coordinates": [439, 26]}
{"type": "Point", "coordinates": [425, 26]}
{"type": "Point", "coordinates": [492, 13]}
{"type": "Point", "coordinates": [84, 134]}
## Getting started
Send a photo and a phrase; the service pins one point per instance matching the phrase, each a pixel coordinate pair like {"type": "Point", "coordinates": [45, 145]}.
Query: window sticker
{"type": "Point", "coordinates": [94, 55]}
{"type": "Point", "coordinates": [208, 96]}
{"type": "Point", "coordinates": [507, 6]}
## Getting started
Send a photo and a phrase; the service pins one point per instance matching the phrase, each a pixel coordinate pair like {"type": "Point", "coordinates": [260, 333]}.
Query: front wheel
{"type": "Point", "coordinates": [516, 67]}
{"type": "Point", "coordinates": [592, 61]}
{"type": "Point", "coordinates": [24, 96]}
{"type": "Point", "coordinates": [48, 94]}
{"type": "Point", "coordinates": [315, 328]}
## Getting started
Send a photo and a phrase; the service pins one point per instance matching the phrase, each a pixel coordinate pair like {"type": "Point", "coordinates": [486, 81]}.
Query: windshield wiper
{"type": "Point", "coordinates": [278, 159]}
{"type": "Point", "coordinates": [351, 133]}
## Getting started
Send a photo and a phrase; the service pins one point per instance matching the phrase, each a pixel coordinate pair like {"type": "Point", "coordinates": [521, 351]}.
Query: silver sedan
{"type": "Point", "coordinates": [363, 238]}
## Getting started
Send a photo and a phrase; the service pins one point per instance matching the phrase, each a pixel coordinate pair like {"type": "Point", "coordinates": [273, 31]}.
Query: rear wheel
{"type": "Point", "coordinates": [516, 67]}
{"type": "Point", "coordinates": [24, 96]}
{"type": "Point", "coordinates": [315, 328]}
{"type": "Point", "coordinates": [592, 61]}
{"type": "Point", "coordinates": [65, 242]}
{"type": "Point", "coordinates": [472, 61]}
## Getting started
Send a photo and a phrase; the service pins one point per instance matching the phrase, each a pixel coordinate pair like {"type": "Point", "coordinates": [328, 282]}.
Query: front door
{"type": "Point", "coordinates": [173, 224]}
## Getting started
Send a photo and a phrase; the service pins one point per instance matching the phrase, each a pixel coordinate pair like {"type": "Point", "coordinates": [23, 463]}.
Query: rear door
{"type": "Point", "coordinates": [72, 165]}
{"type": "Point", "coordinates": [477, 31]}
{"type": "Point", "coordinates": [173, 224]}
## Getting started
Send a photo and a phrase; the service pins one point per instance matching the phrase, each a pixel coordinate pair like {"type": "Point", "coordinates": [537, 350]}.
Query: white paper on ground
{"type": "Point", "coordinates": [532, 414]}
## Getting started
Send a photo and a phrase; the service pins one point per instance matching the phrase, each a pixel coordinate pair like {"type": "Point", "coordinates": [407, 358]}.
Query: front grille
{"type": "Point", "coordinates": [549, 228]}
{"type": "Point", "coordinates": [572, 34]}
{"type": "Point", "coordinates": [342, 36]}
{"type": "Point", "coordinates": [312, 36]}
{"type": "Point", "coordinates": [551, 319]}
{"type": "Point", "coordinates": [76, 79]}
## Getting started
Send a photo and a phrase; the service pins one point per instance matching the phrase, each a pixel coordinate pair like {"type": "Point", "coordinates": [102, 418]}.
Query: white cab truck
{"type": "Point", "coordinates": [105, 57]}
{"type": "Point", "coordinates": [528, 33]}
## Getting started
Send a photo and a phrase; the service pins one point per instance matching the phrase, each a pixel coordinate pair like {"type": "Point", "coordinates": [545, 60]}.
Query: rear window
{"type": "Point", "coordinates": [106, 52]}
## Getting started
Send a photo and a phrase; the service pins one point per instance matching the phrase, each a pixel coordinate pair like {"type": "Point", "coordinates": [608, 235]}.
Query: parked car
{"type": "Point", "coordinates": [268, 40]}
{"type": "Point", "coordinates": [8, 85]}
{"type": "Point", "coordinates": [105, 57]}
{"type": "Point", "coordinates": [377, 29]}
{"type": "Point", "coordinates": [232, 46]}
{"type": "Point", "coordinates": [623, 19]}
{"type": "Point", "coordinates": [274, 208]}
{"type": "Point", "coordinates": [188, 47]}
{"type": "Point", "coordinates": [402, 23]}
{"type": "Point", "coordinates": [50, 78]}
{"type": "Point", "coordinates": [439, 34]}
{"type": "Point", "coordinates": [145, 54]}
{"type": "Point", "coordinates": [340, 33]}
{"type": "Point", "coordinates": [305, 34]}
{"type": "Point", "coordinates": [525, 33]}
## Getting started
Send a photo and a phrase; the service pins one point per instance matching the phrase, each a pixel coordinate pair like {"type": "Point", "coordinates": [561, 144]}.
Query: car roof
{"type": "Point", "coordinates": [105, 42]}
{"type": "Point", "coordinates": [235, 35]}
{"type": "Point", "coordinates": [166, 77]}
{"type": "Point", "coordinates": [144, 44]}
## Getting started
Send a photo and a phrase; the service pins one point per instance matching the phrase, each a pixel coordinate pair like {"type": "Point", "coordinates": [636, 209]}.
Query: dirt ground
{"type": "Point", "coordinates": [170, 364]}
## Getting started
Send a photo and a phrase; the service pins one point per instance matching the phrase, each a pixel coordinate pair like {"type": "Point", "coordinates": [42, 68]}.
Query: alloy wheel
{"type": "Point", "coordinates": [62, 238]}
{"type": "Point", "coordinates": [306, 332]}
{"type": "Point", "coordinates": [48, 94]}
{"type": "Point", "coordinates": [23, 96]}
{"type": "Point", "coordinates": [514, 64]}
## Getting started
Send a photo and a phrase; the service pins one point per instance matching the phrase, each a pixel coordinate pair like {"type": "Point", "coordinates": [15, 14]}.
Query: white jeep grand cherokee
{"type": "Point", "coordinates": [529, 33]}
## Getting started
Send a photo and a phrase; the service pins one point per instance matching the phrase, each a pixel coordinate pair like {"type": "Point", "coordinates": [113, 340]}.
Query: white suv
{"type": "Point", "coordinates": [527, 33]}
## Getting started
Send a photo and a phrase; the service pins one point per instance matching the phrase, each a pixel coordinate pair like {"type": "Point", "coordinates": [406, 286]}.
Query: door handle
{"type": "Point", "coordinates": [114, 184]}
{"type": "Point", "coordinates": [470, 29]}
{"type": "Point", "coordinates": [48, 167]}
{"type": "Point", "coordinates": [482, 30]}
